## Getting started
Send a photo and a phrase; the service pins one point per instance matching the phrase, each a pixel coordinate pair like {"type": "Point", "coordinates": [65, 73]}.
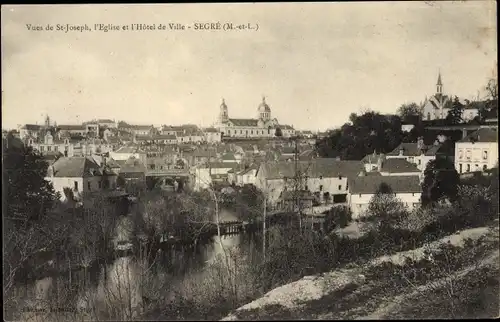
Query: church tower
{"type": "Point", "coordinates": [264, 110]}
{"type": "Point", "coordinates": [47, 121]}
{"type": "Point", "coordinates": [439, 85]}
{"type": "Point", "coordinates": [223, 115]}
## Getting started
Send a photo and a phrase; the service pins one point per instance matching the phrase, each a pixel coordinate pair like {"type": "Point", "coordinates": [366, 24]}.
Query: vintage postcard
{"type": "Point", "coordinates": [249, 161]}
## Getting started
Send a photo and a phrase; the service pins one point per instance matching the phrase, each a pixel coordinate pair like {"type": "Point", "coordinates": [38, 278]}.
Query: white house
{"type": "Point", "coordinates": [325, 177]}
{"type": "Point", "coordinates": [417, 153]}
{"type": "Point", "coordinates": [79, 175]}
{"type": "Point", "coordinates": [362, 189]}
{"type": "Point", "coordinates": [212, 135]}
{"type": "Point", "coordinates": [204, 176]}
{"type": "Point", "coordinates": [126, 152]}
{"type": "Point", "coordinates": [246, 176]}
{"type": "Point", "coordinates": [390, 166]}
{"type": "Point", "coordinates": [478, 151]}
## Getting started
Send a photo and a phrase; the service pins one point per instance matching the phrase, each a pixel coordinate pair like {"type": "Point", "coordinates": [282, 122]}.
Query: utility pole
{"type": "Point", "coordinates": [264, 221]}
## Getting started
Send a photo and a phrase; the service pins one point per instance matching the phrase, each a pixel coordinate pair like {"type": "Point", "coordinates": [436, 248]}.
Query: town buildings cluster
{"type": "Point", "coordinates": [94, 156]}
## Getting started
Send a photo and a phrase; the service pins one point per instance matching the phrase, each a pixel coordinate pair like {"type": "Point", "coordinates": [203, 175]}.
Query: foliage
{"type": "Point", "coordinates": [440, 181]}
{"type": "Point", "coordinates": [337, 217]}
{"type": "Point", "coordinates": [455, 113]}
{"type": "Point", "coordinates": [368, 132]}
{"type": "Point", "coordinates": [407, 112]}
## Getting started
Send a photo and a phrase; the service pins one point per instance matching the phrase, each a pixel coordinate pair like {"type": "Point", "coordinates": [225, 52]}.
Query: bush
{"type": "Point", "coordinates": [338, 217]}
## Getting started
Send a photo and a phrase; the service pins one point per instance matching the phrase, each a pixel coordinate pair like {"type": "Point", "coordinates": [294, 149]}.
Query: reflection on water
{"type": "Point", "coordinates": [124, 283]}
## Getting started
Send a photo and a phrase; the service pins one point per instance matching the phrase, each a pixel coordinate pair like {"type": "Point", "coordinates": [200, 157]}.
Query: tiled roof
{"type": "Point", "coordinates": [31, 127]}
{"type": "Point", "coordinates": [131, 166]}
{"type": "Point", "coordinates": [223, 165]}
{"type": "Point", "coordinates": [326, 167]}
{"type": "Point", "coordinates": [398, 184]}
{"type": "Point", "coordinates": [75, 167]}
{"type": "Point", "coordinates": [398, 166]}
{"type": "Point", "coordinates": [141, 127]}
{"type": "Point", "coordinates": [482, 135]}
{"type": "Point", "coordinates": [72, 127]}
{"type": "Point", "coordinates": [228, 156]}
{"type": "Point", "coordinates": [411, 149]}
{"type": "Point", "coordinates": [286, 127]}
{"type": "Point", "coordinates": [211, 130]}
{"type": "Point", "coordinates": [244, 122]}
{"type": "Point", "coordinates": [129, 149]}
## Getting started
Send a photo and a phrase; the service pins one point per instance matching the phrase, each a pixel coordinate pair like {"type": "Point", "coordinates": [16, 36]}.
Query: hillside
{"type": "Point", "coordinates": [460, 278]}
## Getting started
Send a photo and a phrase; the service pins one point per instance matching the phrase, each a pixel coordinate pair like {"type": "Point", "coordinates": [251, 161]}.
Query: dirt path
{"type": "Point", "coordinates": [384, 310]}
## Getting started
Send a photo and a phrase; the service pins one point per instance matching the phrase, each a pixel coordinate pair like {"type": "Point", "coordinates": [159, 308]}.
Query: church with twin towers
{"type": "Point", "coordinates": [264, 126]}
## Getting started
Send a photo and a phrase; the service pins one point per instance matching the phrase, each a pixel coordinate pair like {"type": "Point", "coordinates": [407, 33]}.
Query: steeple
{"type": "Point", "coordinates": [439, 84]}
{"type": "Point", "coordinates": [223, 115]}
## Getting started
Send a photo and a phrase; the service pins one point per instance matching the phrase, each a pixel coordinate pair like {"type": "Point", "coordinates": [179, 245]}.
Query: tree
{"type": "Point", "coordinates": [278, 132]}
{"type": "Point", "coordinates": [385, 209]}
{"type": "Point", "coordinates": [409, 111]}
{"type": "Point", "coordinates": [441, 180]}
{"type": "Point", "coordinates": [368, 132]}
{"type": "Point", "coordinates": [455, 113]}
{"type": "Point", "coordinates": [27, 194]}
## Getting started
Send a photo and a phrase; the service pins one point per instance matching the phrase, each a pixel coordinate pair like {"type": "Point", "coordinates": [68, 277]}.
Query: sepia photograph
{"type": "Point", "coordinates": [250, 161]}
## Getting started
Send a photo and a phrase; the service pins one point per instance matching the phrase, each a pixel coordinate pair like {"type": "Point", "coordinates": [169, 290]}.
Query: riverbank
{"type": "Point", "coordinates": [357, 293]}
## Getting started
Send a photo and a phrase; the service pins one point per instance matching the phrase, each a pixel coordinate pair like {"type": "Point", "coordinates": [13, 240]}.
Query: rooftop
{"type": "Point", "coordinates": [482, 135]}
{"type": "Point", "coordinates": [398, 166]}
{"type": "Point", "coordinates": [398, 184]}
{"type": "Point", "coordinates": [75, 167]}
{"type": "Point", "coordinates": [325, 167]}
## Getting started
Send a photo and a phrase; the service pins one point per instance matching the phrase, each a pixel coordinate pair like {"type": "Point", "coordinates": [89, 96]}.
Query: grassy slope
{"type": "Point", "coordinates": [380, 297]}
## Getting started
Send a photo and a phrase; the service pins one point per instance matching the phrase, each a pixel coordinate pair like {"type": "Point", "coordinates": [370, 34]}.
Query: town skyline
{"type": "Point", "coordinates": [375, 62]}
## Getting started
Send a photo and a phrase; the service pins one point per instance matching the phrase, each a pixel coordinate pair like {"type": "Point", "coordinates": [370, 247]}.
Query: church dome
{"type": "Point", "coordinates": [223, 105]}
{"type": "Point", "coordinates": [263, 107]}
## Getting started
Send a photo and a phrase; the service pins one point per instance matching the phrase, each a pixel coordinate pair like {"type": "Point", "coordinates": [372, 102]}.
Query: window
{"type": "Point", "coordinates": [340, 177]}
{"type": "Point", "coordinates": [468, 167]}
{"type": "Point", "coordinates": [320, 177]}
{"type": "Point", "coordinates": [485, 155]}
{"type": "Point", "coordinates": [99, 184]}
{"type": "Point", "coordinates": [360, 196]}
{"type": "Point", "coordinates": [467, 154]}
{"type": "Point", "coordinates": [477, 167]}
{"type": "Point", "coordinates": [419, 161]}
{"type": "Point", "coordinates": [321, 188]}
{"type": "Point", "coordinates": [460, 168]}
{"type": "Point", "coordinates": [41, 148]}
{"type": "Point", "coordinates": [306, 188]}
{"type": "Point", "coordinates": [76, 186]}
{"type": "Point", "coordinates": [89, 186]}
{"type": "Point", "coordinates": [56, 148]}
{"type": "Point", "coordinates": [340, 187]}
{"type": "Point", "coordinates": [460, 154]}
{"type": "Point", "coordinates": [428, 115]}
{"type": "Point", "coordinates": [484, 167]}
{"type": "Point", "coordinates": [251, 132]}
{"type": "Point", "coordinates": [49, 148]}
{"type": "Point", "coordinates": [228, 132]}
{"type": "Point", "coordinates": [241, 131]}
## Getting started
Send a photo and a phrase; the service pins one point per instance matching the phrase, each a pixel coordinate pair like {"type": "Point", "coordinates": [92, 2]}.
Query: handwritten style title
{"type": "Point", "coordinates": [173, 26]}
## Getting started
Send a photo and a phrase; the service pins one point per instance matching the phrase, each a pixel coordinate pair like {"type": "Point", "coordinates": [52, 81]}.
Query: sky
{"type": "Point", "coordinates": [314, 62]}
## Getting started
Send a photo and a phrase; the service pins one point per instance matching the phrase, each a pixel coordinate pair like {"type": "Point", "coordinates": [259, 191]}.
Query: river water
{"type": "Point", "coordinates": [129, 283]}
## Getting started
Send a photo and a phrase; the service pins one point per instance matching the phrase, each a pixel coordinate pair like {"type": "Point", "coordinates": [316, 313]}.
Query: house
{"type": "Point", "coordinates": [73, 130]}
{"type": "Point", "coordinates": [362, 189]}
{"type": "Point", "coordinates": [29, 130]}
{"type": "Point", "coordinates": [49, 143]}
{"type": "Point", "coordinates": [141, 129]}
{"type": "Point", "coordinates": [478, 151]}
{"type": "Point", "coordinates": [247, 176]}
{"type": "Point", "coordinates": [212, 135]}
{"type": "Point", "coordinates": [131, 169]}
{"type": "Point", "coordinates": [126, 152]}
{"type": "Point", "coordinates": [325, 177]}
{"type": "Point", "coordinates": [232, 157]}
{"type": "Point", "coordinates": [205, 175]}
{"type": "Point", "coordinates": [155, 139]}
{"type": "Point", "coordinates": [389, 166]}
{"type": "Point", "coordinates": [107, 123]}
{"type": "Point", "coordinates": [74, 176]}
{"type": "Point", "coordinates": [416, 153]}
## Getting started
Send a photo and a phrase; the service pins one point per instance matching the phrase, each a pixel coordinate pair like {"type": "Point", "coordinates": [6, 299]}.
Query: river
{"type": "Point", "coordinates": [125, 287]}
